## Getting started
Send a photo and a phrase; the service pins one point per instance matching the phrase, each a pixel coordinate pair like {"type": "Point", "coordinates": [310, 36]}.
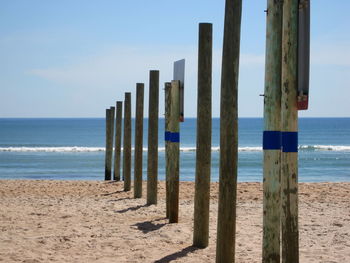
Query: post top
{"type": "Point", "coordinates": [205, 24]}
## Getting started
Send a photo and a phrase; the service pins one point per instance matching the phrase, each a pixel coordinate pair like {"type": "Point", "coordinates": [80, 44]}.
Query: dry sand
{"type": "Point", "coordinates": [88, 221]}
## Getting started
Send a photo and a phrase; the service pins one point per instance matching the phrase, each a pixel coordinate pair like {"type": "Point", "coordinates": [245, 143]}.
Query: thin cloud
{"type": "Point", "coordinates": [334, 54]}
{"type": "Point", "coordinates": [113, 65]}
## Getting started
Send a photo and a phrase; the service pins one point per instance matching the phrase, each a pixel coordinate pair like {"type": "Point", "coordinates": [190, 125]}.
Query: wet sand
{"type": "Point", "coordinates": [89, 221]}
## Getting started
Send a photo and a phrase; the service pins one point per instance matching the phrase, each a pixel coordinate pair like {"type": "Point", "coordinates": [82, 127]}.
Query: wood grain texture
{"type": "Point", "coordinates": [138, 141]}
{"type": "Point", "coordinates": [118, 138]}
{"type": "Point", "coordinates": [203, 148]}
{"type": "Point", "coordinates": [226, 232]}
{"type": "Point", "coordinates": [289, 172]}
{"type": "Point", "coordinates": [127, 142]}
{"type": "Point", "coordinates": [109, 144]}
{"type": "Point", "coordinates": [153, 116]}
{"type": "Point", "coordinates": [167, 97]}
{"type": "Point", "coordinates": [272, 122]}
{"type": "Point", "coordinates": [174, 154]}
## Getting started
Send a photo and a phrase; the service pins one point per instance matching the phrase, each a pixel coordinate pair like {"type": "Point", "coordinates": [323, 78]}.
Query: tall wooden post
{"type": "Point", "coordinates": [174, 152]}
{"type": "Point", "coordinates": [138, 141]}
{"type": "Point", "coordinates": [152, 161]}
{"type": "Point", "coordinates": [225, 247]}
{"type": "Point", "coordinates": [118, 137]}
{"type": "Point", "coordinates": [272, 133]}
{"type": "Point", "coordinates": [289, 172]}
{"type": "Point", "coordinates": [127, 142]}
{"type": "Point", "coordinates": [203, 152]}
{"type": "Point", "coordinates": [167, 88]}
{"type": "Point", "coordinates": [112, 112]}
{"type": "Point", "coordinates": [109, 144]}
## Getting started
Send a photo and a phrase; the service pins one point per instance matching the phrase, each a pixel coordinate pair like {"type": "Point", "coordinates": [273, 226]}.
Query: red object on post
{"type": "Point", "coordinates": [303, 102]}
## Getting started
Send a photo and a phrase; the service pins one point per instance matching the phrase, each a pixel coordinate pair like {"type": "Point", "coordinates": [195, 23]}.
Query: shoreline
{"type": "Point", "coordinates": [96, 221]}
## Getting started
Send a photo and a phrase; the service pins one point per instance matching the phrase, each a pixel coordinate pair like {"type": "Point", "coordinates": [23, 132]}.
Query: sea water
{"type": "Point", "coordinates": [74, 149]}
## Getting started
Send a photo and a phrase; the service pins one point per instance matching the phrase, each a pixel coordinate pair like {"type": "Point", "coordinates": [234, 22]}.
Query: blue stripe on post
{"type": "Point", "coordinates": [290, 142]}
{"type": "Point", "coordinates": [175, 137]}
{"type": "Point", "coordinates": [272, 140]}
{"type": "Point", "coordinates": [167, 136]}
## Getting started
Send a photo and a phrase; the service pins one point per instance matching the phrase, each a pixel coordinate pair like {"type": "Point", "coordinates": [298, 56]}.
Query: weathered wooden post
{"type": "Point", "coordinates": [152, 160]}
{"type": "Point", "coordinates": [118, 137]}
{"type": "Point", "coordinates": [112, 112]}
{"type": "Point", "coordinates": [174, 152]}
{"type": "Point", "coordinates": [138, 141]}
{"type": "Point", "coordinates": [272, 133]}
{"type": "Point", "coordinates": [289, 122]}
{"type": "Point", "coordinates": [203, 149]}
{"type": "Point", "coordinates": [167, 88]}
{"type": "Point", "coordinates": [109, 144]}
{"type": "Point", "coordinates": [225, 247]}
{"type": "Point", "coordinates": [127, 142]}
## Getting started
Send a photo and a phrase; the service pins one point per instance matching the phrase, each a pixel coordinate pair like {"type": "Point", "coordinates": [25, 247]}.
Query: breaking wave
{"type": "Point", "coordinates": [52, 149]}
{"type": "Point", "coordinates": [337, 148]}
{"type": "Point", "coordinates": [79, 149]}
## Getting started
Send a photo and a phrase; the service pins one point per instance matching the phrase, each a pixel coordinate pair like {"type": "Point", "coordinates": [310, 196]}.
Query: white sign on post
{"type": "Point", "coordinates": [179, 74]}
{"type": "Point", "coordinates": [303, 54]}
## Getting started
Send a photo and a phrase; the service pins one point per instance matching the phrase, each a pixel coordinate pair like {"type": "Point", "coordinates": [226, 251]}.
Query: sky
{"type": "Point", "coordinates": [64, 58]}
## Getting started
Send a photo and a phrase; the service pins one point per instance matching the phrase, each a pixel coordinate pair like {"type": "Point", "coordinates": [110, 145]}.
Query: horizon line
{"type": "Point", "coordinates": [214, 117]}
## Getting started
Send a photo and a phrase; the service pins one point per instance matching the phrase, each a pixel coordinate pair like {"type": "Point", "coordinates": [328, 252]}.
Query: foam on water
{"type": "Point", "coordinates": [67, 149]}
{"type": "Point", "coordinates": [52, 149]}
{"type": "Point", "coordinates": [337, 148]}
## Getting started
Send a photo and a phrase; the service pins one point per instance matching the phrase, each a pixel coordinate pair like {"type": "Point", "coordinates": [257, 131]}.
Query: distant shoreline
{"type": "Point", "coordinates": [145, 181]}
{"type": "Point", "coordinates": [160, 117]}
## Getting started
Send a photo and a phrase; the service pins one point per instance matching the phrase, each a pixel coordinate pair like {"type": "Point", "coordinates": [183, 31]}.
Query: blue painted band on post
{"type": "Point", "coordinates": [289, 142]}
{"type": "Point", "coordinates": [175, 137]}
{"type": "Point", "coordinates": [272, 140]}
{"type": "Point", "coordinates": [167, 136]}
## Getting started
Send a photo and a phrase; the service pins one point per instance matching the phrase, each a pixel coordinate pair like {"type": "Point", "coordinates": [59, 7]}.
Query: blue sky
{"type": "Point", "coordinates": [76, 58]}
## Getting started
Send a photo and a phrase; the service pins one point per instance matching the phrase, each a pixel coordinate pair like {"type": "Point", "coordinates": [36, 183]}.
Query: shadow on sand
{"type": "Point", "coordinates": [149, 226]}
{"type": "Point", "coordinates": [120, 199]}
{"type": "Point", "coordinates": [180, 254]}
{"type": "Point", "coordinates": [116, 192]}
{"type": "Point", "coordinates": [134, 208]}
{"type": "Point", "coordinates": [112, 182]}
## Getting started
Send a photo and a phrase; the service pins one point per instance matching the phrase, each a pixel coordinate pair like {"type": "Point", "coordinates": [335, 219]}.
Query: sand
{"type": "Point", "coordinates": [89, 221]}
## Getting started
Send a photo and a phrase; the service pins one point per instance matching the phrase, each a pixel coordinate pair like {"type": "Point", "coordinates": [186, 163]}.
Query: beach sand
{"type": "Point", "coordinates": [89, 221]}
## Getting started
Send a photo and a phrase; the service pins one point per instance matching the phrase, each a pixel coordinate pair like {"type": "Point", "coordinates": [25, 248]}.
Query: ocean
{"type": "Point", "coordinates": [74, 149]}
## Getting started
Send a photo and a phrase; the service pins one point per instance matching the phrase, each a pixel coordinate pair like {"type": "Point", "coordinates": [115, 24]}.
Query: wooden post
{"type": "Point", "coordinates": [167, 88]}
{"type": "Point", "coordinates": [174, 152]}
{"type": "Point", "coordinates": [272, 134]}
{"type": "Point", "coordinates": [112, 112]}
{"type": "Point", "coordinates": [118, 137]}
{"type": "Point", "coordinates": [138, 141]}
{"type": "Point", "coordinates": [203, 149]}
{"type": "Point", "coordinates": [152, 161]}
{"type": "Point", "coordinates": [289, 172]}
{"type": "Point", "coordinates": [109, 144]}
{"type": "Point", "coordinates": [127, 142]}
{"type": "Point", "coordinates": [225, 246]}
